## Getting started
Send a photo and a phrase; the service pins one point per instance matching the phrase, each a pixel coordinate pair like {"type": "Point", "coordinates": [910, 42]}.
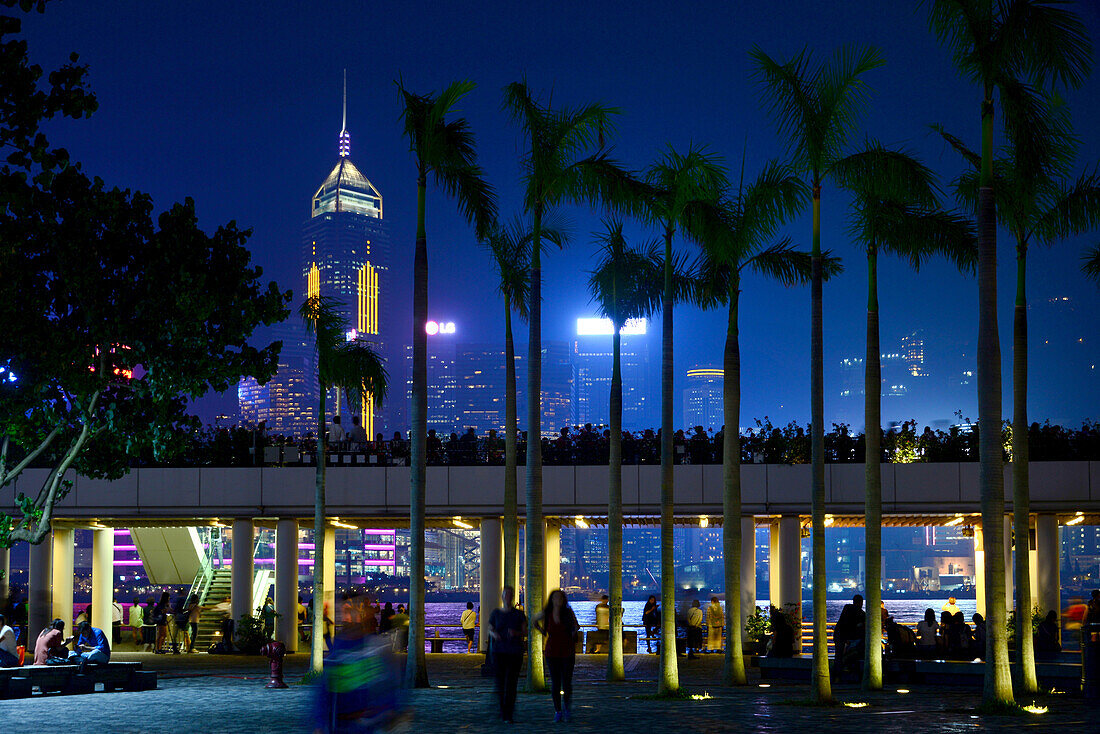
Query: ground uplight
{"type": "Point", "coordinates": [1035, 709]}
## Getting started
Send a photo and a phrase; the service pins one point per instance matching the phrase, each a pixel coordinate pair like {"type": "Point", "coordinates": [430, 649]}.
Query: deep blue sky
{"type": "Point", "coordinates": [238, 105]}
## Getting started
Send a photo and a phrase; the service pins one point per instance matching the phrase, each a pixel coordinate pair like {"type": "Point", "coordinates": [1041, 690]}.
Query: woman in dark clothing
{"type": "Point", "coordinates": [651, 618]}
{"type": "Point", "coordinates": [559, 624]}
{"type": "Point", "coordinates": [160, 619]}
{"type": "Point", "coordinates": [977, 649]}
{"type": "Point", "coordinates": [386, 623]}
{"type": "Point", "coordinates": [1046, 637]}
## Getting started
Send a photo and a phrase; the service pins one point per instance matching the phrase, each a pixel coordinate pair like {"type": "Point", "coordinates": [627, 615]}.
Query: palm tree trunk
{"type": "Point", "coordinates": [615, 667]}
{"type": "Point", "coordinates": [821, 687]}
{"type": "Point", "coordinates": [416, 670]}
{"type": "Point", "coordinates": [668, 680]}
{"type": "Point", "coordinates": [317, 644]}
{"type": "Point", "coordinates": [733, 671]}
{"type": "Point", "coordinates": [533, 533]}
{"type": "Point", "coordinates": [872, 422]}
{"type": "Point", "coordinates": [998, 679]}
{"type": "Point", "coordinates": [1021, 488]}
{"type": "Point", "coordinates": [511, 520]}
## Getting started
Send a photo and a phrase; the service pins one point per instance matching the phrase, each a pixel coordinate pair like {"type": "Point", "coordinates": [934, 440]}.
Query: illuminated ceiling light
{"type": "Point", "coordinates": [460, 523]}
{"type": "Point", "coordinates": [957, 521]}
{"type": "Point", "coordinates": [581, 522]}
{"type": "Point", "coordinates": [828, 521]}
{"type": "Point", "coordinates": [1077, 520]}
{"type": "Point", "coordinates": [765, 685]}
{"type": "Point", "coordinates": [336, 523]}
{"type": "Point", "coordinates": [903, 690]}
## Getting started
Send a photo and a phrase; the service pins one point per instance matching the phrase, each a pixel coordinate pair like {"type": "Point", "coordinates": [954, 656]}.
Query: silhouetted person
{"type": "Point", "coordinates": [506, 629]}
{"type": "Point", "coordinates": [558, 622]}
{"type": "Point", "coordinates": [651, 618]}
{"type": "Point", "coordinates": [1047, 645]}
{"type": "Point", "coordinates": [849, 631]}
{"type": "Point", "coordinates": [782, 642]}
{"type": "Point", "coordinates": [977, 648]}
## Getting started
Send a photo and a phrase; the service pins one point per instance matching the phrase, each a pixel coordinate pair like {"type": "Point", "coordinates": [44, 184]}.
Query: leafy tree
{"type": "Point", "coordinates": [113, 319]}
{"type": "Point", "coordinates": [349, 366]}
{"type": "Point", "coordinates": [564, 160]}
{"type": "Point", "coordinates": [895, 210]}
{"type": "Point", "coordinates": [817, 106]}
{"type": "Point", "coordinates": [444, 150]}
{"type": "Point", "coordinates": [686, 188]}
{"type": "Point", "coordinates": [1012, 50]}
{"type": "Point", "coordinates": [743, 240]}
{"type": "Point", "coordinates": [625, 287]}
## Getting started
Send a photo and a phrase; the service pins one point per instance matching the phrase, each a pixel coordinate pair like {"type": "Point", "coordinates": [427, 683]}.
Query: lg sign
{"type": "Point", "coordinates": [439, 327]}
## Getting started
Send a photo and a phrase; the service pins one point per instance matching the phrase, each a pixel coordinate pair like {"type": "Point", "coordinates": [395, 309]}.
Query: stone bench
{"type": "Point", "coordinates": [19, 682]}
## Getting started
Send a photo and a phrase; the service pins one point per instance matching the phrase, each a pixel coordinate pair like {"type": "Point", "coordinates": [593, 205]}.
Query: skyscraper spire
{"type": "Point", "coordinates": [345, 137]}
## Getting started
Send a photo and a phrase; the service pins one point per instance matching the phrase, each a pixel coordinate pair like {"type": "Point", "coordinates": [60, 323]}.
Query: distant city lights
{"type": "Point", "coordinates": [602, 327]}
{"type": "Point", "coordinates": [439, 327]}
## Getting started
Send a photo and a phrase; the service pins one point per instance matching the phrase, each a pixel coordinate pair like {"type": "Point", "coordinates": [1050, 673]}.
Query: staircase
{"type": "Point", "coordinates": [210, 623]}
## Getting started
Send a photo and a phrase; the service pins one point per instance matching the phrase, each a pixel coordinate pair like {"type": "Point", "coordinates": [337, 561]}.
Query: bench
{"type": "Point", "coordinates": [18, 682]}
{"type": "Point", "coordinates": [598, 641]}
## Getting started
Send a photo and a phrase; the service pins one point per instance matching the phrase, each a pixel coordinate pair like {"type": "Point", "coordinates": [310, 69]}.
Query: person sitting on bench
{"type": "Point", "coordinates": [49, 648]}
{"type": "Point", "coordinates": [9, 651]}
{"type": "Point", "coordinates": [96, 648]}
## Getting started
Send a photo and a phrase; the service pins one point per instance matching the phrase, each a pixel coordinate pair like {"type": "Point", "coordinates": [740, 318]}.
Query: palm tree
{"type": "Point", "coordinates": [894, 211]}
{"type": "Point", "coordinates": [816, 107]}
{"type": "Point", "coordinates": [357, 369]}
{"type": "Point", "coordinates": [509, 247]}
{"type": "Point", "coordinates": [623, 288]}
{"type": "Point", "coordinates": [1035, 207]}
{"type": "Point", "coordinates": [564, 161]}
{"type": "Point", "coordinates": [1012, 50]}
{"type": "Point", "coordinates": [444, 150]}
{"type": "Point", "coordinates": [741, 241]}
{"type": "Point", "coordinates": [1090, 264]}
{"type": "Point", "coordinates": [684, 187]}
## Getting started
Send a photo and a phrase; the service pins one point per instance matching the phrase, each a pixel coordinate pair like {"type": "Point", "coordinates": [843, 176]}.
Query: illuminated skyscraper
{"type": "Point", "coordinates": [346, 257]}
{"type": "Point", "coordinates": [703, 398]}
{"type": "Point", "coordinates": [287, 403]}
{"type": "Point", "coordinates": [592, 363]}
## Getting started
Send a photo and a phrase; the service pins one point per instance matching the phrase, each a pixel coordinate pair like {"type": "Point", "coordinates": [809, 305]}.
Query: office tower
{"type": "Point", "coordinates": [557, 387]}
{"type": "Point", "coordinates": [592, 364]}
{"type": "Point", "coordinates": [480, 379]}
{"type": "Point", "coordinates": [287, 403]}
{"type": "Point", "coordinates": [346, 257]}
{"type": "Point", "coordinates": [442, 385]}
{"type": "Point", "coordinates": [703, 398]}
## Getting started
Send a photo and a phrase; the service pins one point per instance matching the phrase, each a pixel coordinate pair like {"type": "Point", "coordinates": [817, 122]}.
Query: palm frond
{"type": "Point", "coordinates": [965, 27]}
{"type": "Point", "coordinates": [915, 233]}
{"type": "Point", "coordinates": [601, 181]}
{"type": "Point", "coordinates": [323, 322]}
{"type": "Point", "coordinates": [880, 173]}
{"type": "Point", "coordinates": [842, 96]}
{"type": "Point", "coordinates": [1074, 210]}
{"type": "Point", "coordinates": [782, 262]}
{"type": "Point", "coordinates": [1090, 264]}
{"type": "Point", "coordinates": [621, 285]}
{"type": "Point", "coordinates": [1045, 41]}
{"type": "Point", "coordinates": [974, 159]}
{"type": "Point", "coordinates": [357, 368]}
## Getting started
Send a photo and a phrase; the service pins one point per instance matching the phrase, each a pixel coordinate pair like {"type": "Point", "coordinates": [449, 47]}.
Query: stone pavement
{"type": "Point", "coordinates": [206, 693]}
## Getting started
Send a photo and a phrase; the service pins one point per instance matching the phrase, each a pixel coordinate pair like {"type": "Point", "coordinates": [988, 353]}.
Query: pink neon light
{"type": "Point", "coordinates": [382, 531]}
{"type": "Point", "coordinates": [378, 547]}
{"type": "Point", "coordinates": [122, 532]}
{"type": "Point", "coordinates": [128, 563]}
{"type": "Point", "coordinates": [125, 547]}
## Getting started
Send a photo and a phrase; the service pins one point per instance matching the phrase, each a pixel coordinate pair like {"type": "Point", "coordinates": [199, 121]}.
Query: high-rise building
{"type": "Point", "coordinates": [346, 257]}
{"type": "Point", "coordinates": [703, 398]}
{"type": "Point", "coordinates": [287, 403]}
{"type": "Point", "coordinates": [442, 392]}
{"type": "Point", "coordinates": [592, 364]}
{"type": "Point", "coordinates": [557, 388]}
{"type": "Point", "coordinates": [480, 378]}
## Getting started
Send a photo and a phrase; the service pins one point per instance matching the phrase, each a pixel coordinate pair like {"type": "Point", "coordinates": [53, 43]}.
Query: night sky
{"type": "Point", "coordinates": [238, 105]}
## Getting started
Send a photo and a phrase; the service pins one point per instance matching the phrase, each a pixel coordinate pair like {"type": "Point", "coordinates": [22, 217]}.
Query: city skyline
{"type": "Point", "coordinates": [219, 142]}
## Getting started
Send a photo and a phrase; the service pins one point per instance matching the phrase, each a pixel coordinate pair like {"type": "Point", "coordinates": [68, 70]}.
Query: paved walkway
{"type": "Point", "coordinates": [206, 693]}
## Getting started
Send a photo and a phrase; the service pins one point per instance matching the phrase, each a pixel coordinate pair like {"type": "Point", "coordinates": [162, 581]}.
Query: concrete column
{"type": "Point", "coordinates": [1047, 552]}
{"type": "Point", "coordinates": [1010, 563]}
{"type": "Point", "coordinates": [328, 573]}
{"type": "Point", "coordinates": [774, 573]}
{"type": "Point", "coordinates": [790, 561]}
{"type": "Point", "coordinates": [552, 560]}
{"type": "Point", "coordinates": [286, 583]}
{"type": "Point", "coordinates": [40, 590]}
{"type": "Point", "coordinates": [103, 578]}
{"type": "Point", "coordinates": [63, 549]}
{"type": "Point", "coordinates": [748, 567]}
{"type": "Point", "coordinates": [979, 569]}
{"type": "Point", "coordinates": [242, 576]}
{"type": "Point", "coordinates": [492, 575]}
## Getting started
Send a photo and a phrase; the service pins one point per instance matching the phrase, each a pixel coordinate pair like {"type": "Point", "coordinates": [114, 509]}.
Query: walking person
{"type": "Point", "coordinates": [694, 629]}
{"type": "Point", "coordinates": [651, 619]}
{"type": "Point", "coordinates": [506, 630]}
{"type": "Point", "coordinates": [469, 621]}
{"type": "Point", "coordinates": [558, 622]}
{"type": "Point", "coordinates": [716, 620]}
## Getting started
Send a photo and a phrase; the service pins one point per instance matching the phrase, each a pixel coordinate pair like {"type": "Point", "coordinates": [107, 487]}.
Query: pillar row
{"type": "Point", "coordinates": [551, 560]}
{"type": "Point", "coordinates": [103, 578]}
{"type": "Point", "coordinates": [241, 577]}
{"type": "Point", "coordinates": [40, 588]}
{"type": "Point", "coordinates": [1047, 552]}
{"type": "Point", "coordinates": [62, 575]}
{"type": "Point", "coordinates": [328, 573]}
{"type": "Point", "coordinates": [748, 568]}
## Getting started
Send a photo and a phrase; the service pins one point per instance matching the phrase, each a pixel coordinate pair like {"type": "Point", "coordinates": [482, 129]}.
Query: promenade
{"type": "Point", "coordinates": [205, 693]}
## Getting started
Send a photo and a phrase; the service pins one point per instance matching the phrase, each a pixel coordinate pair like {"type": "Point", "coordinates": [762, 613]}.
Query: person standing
{"type": "Point", "coordinates": [469, 622]}
{"type": "Point", "coordinates": [651, 619]}
{"type": "Point", "coordinates": [694, 629]}
{"type": "Point", "coordinates": [848, 631]}
{"type": "Point", "coordinates": [950, 607]}
{"type": "Point", "coordinates": [161, 614]}
{"type": "Point", "coordinates": [716, 620]}
{"type": "Point", "coordinates": [926, 634]}
{"type": "Point", "coordinates": [506, 630]}
{"type": "Point", "coordinates": [558, 622]}
{"type": "Point", "coordinates": [136, 620]}
{"type": "Point", "coordinates": [194, 612]}
{"type": "Point", "coordinates": [603, 613]}
{"type": "Point", "coordinates": [267, 614]}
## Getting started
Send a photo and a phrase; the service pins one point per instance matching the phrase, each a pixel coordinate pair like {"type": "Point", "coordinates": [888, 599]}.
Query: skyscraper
{"type": "Point", "coordinates": [346, 257]}
{"type": "Point", "coordinates": [592, 363]}
{"type": "Point", "coordinates": [703, 398]}
{"type": "Point", "coordinates": [480, 378]}
{"type": "Point", "coordinates": [557, 387]}
{"type": "Point", "coordinates": [442, 383]}
{"type": "Point", "coordinates": [287, 403]}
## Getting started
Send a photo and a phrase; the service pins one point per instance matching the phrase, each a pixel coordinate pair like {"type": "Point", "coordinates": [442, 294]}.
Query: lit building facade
{"type": "Point", "coordinates": [287, 403]}
{"type": "Point", "coordinates": [703, 398]}
{"type": "Point", "coordinates": [557, 388]}
{"type": "Point", "coordinates": [346, 257]}
{"type": "Point", "coordinates": [481, 385]}
{"type": "Point", "coordinates": [592, 364]}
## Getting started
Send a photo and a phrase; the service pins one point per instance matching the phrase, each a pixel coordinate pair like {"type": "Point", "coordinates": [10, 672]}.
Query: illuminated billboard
{"type": "Point", "coordinates": [439, 327]}
{"type": "Point", "coordinates": [602, 327]}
